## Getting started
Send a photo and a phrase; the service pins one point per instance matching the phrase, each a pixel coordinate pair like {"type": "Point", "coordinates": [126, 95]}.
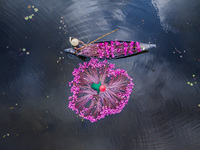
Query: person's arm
{"type": "Point", "coordinates": [77, 49]}
{"type": "Point", "coordinates": [82, 42]}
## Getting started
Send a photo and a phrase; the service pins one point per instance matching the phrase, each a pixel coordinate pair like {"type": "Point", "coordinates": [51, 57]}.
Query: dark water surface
{"type": "Point", "coordinates": [163, 112]}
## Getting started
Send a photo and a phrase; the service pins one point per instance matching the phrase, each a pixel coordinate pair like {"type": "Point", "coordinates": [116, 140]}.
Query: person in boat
{"type": "Point", "coordinates": [75, 43]}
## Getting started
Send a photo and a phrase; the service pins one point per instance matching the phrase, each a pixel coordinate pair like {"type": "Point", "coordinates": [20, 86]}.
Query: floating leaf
{"type": "Point", "coordinates": [36, 9]}
{"type": "Point", "coordinates": [26, 18]}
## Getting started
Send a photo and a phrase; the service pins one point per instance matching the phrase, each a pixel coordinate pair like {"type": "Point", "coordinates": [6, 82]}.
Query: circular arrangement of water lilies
{"type": "Point", "coordinates": [99, 90]}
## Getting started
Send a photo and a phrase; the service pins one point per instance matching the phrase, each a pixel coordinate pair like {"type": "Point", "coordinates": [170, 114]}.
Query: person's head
{"type": "Point", "coordinates": [74, 41]}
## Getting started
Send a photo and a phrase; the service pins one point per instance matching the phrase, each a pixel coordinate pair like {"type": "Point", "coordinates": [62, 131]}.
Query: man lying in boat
{"type": "Point", "coordinates": [108, 49]}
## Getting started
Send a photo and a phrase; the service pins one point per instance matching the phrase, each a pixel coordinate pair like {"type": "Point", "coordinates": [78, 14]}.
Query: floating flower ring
{"type": "Point", "coordinates": [99, 90]}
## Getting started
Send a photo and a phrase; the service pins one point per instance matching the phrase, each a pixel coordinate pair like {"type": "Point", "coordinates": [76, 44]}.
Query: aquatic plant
{"type": "Point", "coordinates": [30, 9]}
{"type": "Point", "coordinates": [99, 90]}
{"type": "Point", "coordinates": [110, 49]}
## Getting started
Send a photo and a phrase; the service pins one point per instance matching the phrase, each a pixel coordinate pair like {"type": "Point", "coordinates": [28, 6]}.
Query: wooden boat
{"type": "Point", "coordinates": [111, 49]}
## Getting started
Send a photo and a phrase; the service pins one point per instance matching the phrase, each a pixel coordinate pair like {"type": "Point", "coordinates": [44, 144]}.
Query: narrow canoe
{"type": "Point", "coordinates": [112, 49]}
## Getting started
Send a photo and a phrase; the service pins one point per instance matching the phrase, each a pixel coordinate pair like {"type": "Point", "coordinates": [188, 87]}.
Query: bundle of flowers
{"type": "Point", "coordinates": [99, 90]}
{"type": "Point", "coordinates": [110, 49]}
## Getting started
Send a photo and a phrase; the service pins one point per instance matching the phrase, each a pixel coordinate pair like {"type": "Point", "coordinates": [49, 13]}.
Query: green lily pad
{"type": "Point", "coordinates": [26, 18]}
{"type": "Point", "coordinates": [36, 9]}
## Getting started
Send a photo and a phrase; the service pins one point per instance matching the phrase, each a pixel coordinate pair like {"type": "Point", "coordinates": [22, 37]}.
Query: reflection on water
{"type": "Point", "coordinates": [163, 111]}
